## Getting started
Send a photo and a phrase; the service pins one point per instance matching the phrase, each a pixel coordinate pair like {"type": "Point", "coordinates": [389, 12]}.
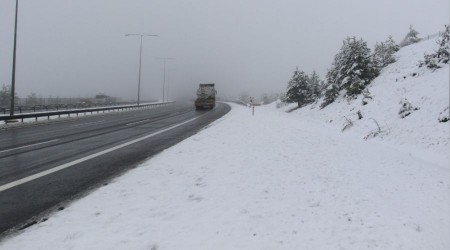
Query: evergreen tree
{"type": "Point", "coordinates": [322, 86]}
{"type": "Point", "coordinates": [392, 46]}
{"type": "Point", "coordinates": [314, 87]}
{"type": "Point", "coordinates": [383, 53]}
{"type": "Point", "coordinates": [297, 90]}
{"type": "Point", "coordinates": [331, 93]}
{"type": "Point", "coordinates": [379, 53]}
{"type": "Point", "coordinates": [410, 38]}
{"type": "Point", "coordinates": [352, 68]}
{"type": "Point", "coordinates": [441, 56]}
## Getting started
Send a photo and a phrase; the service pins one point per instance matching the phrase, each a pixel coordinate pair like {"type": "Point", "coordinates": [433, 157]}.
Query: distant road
{"type": "Point", "coordinates": [44, 165]}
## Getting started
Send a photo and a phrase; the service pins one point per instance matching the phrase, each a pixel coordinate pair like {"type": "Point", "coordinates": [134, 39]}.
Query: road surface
{"type": "Point", "coordinates": [43, 166]}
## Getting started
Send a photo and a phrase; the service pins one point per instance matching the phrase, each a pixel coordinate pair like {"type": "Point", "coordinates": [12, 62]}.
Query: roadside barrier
{"type": "Point", "coordinates": [8, 118]}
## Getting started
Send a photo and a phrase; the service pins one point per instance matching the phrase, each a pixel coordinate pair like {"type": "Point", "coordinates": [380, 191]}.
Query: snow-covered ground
{"type": "Point", "coordinates": [281, 180]}
{"type": "Point", "coordinates": [269, 181]}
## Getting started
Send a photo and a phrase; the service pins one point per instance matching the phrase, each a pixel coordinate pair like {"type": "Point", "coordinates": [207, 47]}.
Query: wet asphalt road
{"type": "Point", "coordinates": [46, 165]}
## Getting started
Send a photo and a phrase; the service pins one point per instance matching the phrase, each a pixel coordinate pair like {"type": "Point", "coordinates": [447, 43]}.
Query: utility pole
{"type": "Point", "coordinates": [164, 78]}
{"type": "Point", "coordinates": [140, 63]}
{"type": "Point", "coordinates": [13, 80]}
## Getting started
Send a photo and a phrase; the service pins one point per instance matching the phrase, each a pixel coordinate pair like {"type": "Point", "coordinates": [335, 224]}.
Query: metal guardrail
{"type": "Point", "coordinates": [55, 107]}
{"type": "Point", "coordinates": [77, 111]}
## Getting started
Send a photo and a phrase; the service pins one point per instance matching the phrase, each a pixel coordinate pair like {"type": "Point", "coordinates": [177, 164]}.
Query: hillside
{"type": "Point", "coordinates": [419, 133]}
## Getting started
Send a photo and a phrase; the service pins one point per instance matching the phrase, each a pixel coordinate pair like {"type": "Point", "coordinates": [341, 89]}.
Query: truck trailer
{"type": "Point", "coordinates": [206, 96]}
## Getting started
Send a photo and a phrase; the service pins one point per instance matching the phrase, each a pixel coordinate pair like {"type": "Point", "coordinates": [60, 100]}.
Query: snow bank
{"type": "Point", "coordinates": [269, 181]}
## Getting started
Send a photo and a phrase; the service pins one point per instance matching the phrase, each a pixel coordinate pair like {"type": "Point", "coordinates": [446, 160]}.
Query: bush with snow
{"type": "Point", "coordinates": [444, 116]}
{"type": "Point", "coordinates": [366, 97]}
{"type": "Point", "coordinates": [441, 56]}
{"type": "Point", "coordinates": [348, 123]}
{"type": "Point", "coordinates": [376, 132]}
{"type": "Point", "coordinates": [406, 108]}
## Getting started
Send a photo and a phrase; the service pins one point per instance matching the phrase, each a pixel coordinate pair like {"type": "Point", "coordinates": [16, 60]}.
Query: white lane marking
{"type": "Point", "coordinates": [11, 149]}
{"type": "Point", "coordinates": [72, 163]}
{"type": "Point", "coordinates": [137, 122]}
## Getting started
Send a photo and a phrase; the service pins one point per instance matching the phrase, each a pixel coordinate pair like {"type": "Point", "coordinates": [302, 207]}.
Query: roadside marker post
{"type": "Point", "coordinates": [252, 106]}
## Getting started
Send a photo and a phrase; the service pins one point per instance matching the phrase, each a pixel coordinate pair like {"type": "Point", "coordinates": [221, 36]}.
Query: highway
{"type": "Point", "coordinates": [45, 165]}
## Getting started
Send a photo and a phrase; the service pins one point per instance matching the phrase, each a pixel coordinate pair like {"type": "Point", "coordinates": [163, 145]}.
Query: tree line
{"type": "Point", "coordinates": [354, 67]}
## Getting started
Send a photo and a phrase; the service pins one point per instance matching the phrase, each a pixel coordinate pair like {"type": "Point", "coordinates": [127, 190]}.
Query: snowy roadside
{"type": "Point", "coordinates": [269, 181]}
{"type": "Point", "coordinates": [420, 133]}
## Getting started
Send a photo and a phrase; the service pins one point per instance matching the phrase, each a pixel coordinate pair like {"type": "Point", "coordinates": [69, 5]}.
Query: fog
{"type": "Point", "coordinates": [79, 48]}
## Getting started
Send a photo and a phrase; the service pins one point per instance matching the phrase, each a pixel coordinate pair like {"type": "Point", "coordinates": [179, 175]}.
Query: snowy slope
{"type": "Point", "coordinates": [420, 133]}
{"type": "Point", "coordinates": [269, 181]}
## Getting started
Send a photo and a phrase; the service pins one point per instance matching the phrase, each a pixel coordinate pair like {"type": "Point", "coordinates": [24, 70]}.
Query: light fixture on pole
{"type": "Point", "coordinates": [164, 80]}
{"type": "Point", "coordinates": [140, 63]}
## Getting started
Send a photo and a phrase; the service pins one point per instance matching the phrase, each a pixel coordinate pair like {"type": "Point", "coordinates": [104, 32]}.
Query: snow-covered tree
{"type": "Point", "coordinates": [314, 86]}
{"type": "Point", "coordinates": [384, 53]}
{"type": "Point", "coordinates": [297, 90]}
{"type": "Point", "coordinates": [392, 46]}
{"type": "Point", "coordinates": [5, 96]}
{"type": "Point", "coordinates": [331, 93]}
{"type": "Point", "coordinates": [352, 68]}
{"type": "Point", "coordinates": [410, 38]}
{"type": "Point", "coordinates": [441, 56]}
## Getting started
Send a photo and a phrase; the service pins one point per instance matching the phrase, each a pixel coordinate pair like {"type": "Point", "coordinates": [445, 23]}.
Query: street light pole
{"type": "Point", "coordinates": [164, 78]}
{"type": "Point", "coordinates": [13, 80]}
{"type": "Point", "coordinates": [140, 64]}
{"type": "Point", "coordinates": [168, 83]}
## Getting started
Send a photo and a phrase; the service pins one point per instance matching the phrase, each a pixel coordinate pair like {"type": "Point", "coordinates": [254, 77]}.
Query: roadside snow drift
{"type": "Point", "coordinates": [269, 181]}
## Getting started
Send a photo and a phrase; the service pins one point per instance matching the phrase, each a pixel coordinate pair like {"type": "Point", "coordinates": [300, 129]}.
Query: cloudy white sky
{"type": "Point", "coordinates": [73, 48]}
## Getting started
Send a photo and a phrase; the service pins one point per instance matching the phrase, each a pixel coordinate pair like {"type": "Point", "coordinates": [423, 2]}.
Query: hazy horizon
{"type": "Point", "coordinates": [79, 48]}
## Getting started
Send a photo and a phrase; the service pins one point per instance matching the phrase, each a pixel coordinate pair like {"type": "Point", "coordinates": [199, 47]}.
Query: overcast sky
{"type": "Point", "coordinates": [72, 48]}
